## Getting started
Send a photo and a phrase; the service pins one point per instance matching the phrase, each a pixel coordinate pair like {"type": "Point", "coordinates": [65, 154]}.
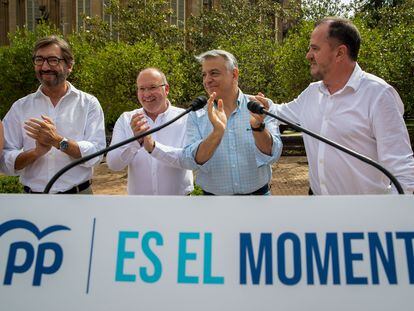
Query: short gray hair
{"type": "Point", "coordinates": [231, 61]}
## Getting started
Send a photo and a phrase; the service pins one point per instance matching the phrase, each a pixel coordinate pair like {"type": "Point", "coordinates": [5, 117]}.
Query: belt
{"type": "Point", "coordinates": [79, 188]}
{"type": "Point", "coordinates": [261, 191]}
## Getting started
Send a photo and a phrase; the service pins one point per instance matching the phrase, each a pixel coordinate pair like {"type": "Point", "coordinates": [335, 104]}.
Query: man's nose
{"type": "Point", "coordinates": [45, 65]}
{"type": "Point", "coordinates": [207, 79]}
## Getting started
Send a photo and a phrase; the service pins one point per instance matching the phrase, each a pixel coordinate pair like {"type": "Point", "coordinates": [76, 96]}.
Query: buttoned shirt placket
{"type": "Point", "coordinates": [154, 163]}
{"type": "Point", "coordinates": [326, 106]}
{"type": "Point", "coordinates": [231, 132]}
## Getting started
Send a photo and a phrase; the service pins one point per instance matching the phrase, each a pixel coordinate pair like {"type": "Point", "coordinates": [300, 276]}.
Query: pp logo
{"type": "Point", "coordinates": [15, 266]}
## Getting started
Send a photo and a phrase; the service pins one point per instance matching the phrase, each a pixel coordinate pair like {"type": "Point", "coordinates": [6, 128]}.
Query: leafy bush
{"type": "Point", "coordinates": [197, 190]}
{"type": "Point", "coordinates": [17, 78]}
{"type": "Point", "coordinates": [291, 69]}
{"type": "Point", "coordinates": [10, 184]}
{"type": "Point", "coordinates": [110, 75]}
{"type": "Point", "coordinates": [107, 63]}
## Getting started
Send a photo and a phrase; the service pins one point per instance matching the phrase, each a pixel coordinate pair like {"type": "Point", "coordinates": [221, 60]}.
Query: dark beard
{"type": "Point", "coordinates": [60, 77]}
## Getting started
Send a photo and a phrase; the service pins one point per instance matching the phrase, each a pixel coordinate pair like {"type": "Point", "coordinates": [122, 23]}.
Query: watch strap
{"type": "Point", "coordinates": [260, 128]}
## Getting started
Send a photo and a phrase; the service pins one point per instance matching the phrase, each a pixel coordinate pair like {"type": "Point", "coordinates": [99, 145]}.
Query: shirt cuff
{"type": "Point", "coordinates": [264, 159]}
{"type": "Point", "coordinates": [10, 157]}
{"type": "Point", "coordinates": [188, 160]}
{"type": "Point", "coordinates": [86, 148]}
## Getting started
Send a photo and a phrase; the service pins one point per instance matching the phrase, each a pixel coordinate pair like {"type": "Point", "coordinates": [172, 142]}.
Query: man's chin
{"type": "Point", "coordinates": [316, 75]}
{"type": "Point", "coordinates": [49, 83]}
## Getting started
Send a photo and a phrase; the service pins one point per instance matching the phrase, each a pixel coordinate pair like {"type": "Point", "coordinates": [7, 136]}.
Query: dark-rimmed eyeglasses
{"type": "Point", "coordinates": [51, 60]}
{"type": "Point", "coordinates": [150, 88]}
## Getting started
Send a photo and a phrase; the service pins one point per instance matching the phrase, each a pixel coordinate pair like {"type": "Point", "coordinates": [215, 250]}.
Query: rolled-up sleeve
{"type": "Point", "coordinates": [264, 159]}
{"type": "Point", "coordinates": [193, 140]}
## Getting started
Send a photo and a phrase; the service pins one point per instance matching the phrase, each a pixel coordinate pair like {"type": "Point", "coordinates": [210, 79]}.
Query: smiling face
{"type": "Point", "coordinates": [52, 76]}
{"type": "Point", "coordinates": [322, 52]}
{"type": "Point", "coordinates": [217, 77]}
{"type": "Point", "coordinates": [152, 92]}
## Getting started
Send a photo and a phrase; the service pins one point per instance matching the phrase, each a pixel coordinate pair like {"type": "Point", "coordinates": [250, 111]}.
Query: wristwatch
{"type": "Point", "coordinates": [64, 144]}
{"type": "Point", "coordinates": [260, 128]}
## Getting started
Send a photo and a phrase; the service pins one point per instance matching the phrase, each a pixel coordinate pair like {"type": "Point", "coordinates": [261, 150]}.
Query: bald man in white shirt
{"type": "Point", "coordinates": [48, 129]}
{"type": "Point", "coordinates": [148, 175]}
{"type": "Point", "coordinates": [355, 109]}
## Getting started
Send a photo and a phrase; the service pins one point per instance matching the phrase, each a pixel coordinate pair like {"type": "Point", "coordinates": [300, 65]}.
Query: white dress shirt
{"type": "Point", "coordinates": [365, 116]}
{"type": "Point", "coordinates": [146, 174]}
{"type": "Point", "coordinates": [77, 116]}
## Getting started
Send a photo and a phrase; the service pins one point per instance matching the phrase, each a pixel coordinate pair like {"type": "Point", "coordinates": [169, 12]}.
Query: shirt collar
{"type": "Point", "coordinates": [240, 98]}
{"type": "Point", "coordinates": [353, 82]}
{"type": "Point", "coordinates": [161, 115]}
{"type": "Point", "coordinates": [71, 89]}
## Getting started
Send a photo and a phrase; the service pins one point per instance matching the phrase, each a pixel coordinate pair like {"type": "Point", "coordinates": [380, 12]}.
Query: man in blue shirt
{"type": "Point", "coordinates": [231, 149]}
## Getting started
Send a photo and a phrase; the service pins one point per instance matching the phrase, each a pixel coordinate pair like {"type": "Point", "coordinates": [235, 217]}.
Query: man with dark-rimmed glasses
{"type": "Point", "coordinates": [50, 128]}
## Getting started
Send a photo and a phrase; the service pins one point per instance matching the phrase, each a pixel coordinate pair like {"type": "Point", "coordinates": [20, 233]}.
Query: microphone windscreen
{"type": "Point", "coordinates": [255, 107]}
{"type": "Point", "coordinates": [199, 103]}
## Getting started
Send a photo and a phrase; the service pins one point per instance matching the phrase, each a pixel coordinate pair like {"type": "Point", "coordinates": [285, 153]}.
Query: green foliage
{"type": "Point", "coordinates": [111, 72]}
{"type": "Point", "coordinates": [138, 21]}
{"type": "Point", "coordinates": [10, 184]}
{"type": "Point", "coordinates": [17, 78]}
{"type": "Point", "coordinates": [197, 190]}
{"type": "Point", "coordinates": [388, 49]}
{"type": "Point", "coordinates": [291, 69]}
{"type": "Point", "coordinates": [109, 58]}
{"type": "Point", "coordinates": [234, 21]}
{"type": "Point", "coordinates": [314, 10]}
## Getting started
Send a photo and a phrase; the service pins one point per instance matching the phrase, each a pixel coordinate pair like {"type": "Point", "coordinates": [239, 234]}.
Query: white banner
{"type": "Point", "coordinates": [70, 252]}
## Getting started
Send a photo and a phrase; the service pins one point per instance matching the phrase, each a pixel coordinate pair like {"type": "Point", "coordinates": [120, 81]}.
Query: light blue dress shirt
{"type": "Point", "coordinates": [237, 166]}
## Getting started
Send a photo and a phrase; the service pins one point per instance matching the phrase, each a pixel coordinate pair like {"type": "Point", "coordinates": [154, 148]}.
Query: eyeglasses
{"type": "Point", "coordinates": [150, 88]}
{"type": "Point", "coordinates": [51, 60]}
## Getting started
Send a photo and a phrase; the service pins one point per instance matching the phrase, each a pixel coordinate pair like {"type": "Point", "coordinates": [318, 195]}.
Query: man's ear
{"type": "Point", "coordinates": [236, 74]}
{"type": "Point", "coordinates": [70, 66]}
{"type": "Point", "coordinates": [342, 51]}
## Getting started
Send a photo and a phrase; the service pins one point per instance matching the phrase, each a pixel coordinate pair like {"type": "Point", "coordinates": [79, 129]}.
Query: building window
{"type": "Point", "coordinates": [83, 9]}
{"type": "Point", "coordinates": [178, 15]}
{"type": "Point", "coordinates": [110, 19]}
{"type": "Point", "coordinates": [207, 4]}
{"type": "Point", "coordinates": [32, 13]}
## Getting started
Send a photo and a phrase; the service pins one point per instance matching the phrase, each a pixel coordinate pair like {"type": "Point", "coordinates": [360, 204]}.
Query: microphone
{"type": "Point", "coordinates": [255, 107]}
{"type": "Point", "coordinates": [197, 104]}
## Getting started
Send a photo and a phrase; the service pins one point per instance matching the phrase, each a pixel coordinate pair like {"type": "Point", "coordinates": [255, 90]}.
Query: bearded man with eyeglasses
{"type": "Point", "coordinates": [48, 129]}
